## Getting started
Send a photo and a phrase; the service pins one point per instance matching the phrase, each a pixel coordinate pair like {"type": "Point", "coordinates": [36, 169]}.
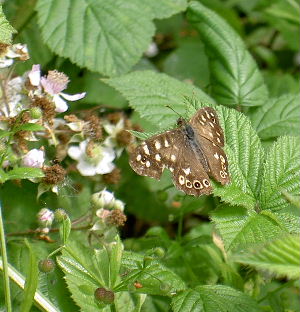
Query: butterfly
{"type": "Point", "coordinates": [193, 152]}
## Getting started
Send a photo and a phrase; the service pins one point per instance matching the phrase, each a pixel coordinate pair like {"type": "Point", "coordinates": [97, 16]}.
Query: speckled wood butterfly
{"type": "Point", "coordinates": [192, 152]}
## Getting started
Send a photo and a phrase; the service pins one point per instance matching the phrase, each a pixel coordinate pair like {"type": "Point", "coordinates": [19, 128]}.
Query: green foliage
{"type": "Point", "coordinates": [236, 80]}
{"type": "Point", "coordinates": [280, 257]}
{"type": "Point", "coordinates": [6, 30]}
{"type": "Point", "coordinates": [213, 298]}
{"type": "Point", "coordinates": [144, 63]}
{"type": "Point", "coordinates": [281, 172]}
{"type": "Point", "coordinates": [278, 116]}
{"type": "Point", "coordinates": [104, 36]}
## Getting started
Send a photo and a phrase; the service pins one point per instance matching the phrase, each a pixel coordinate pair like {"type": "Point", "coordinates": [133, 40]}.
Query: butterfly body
{"type": "Point", "coordinates": [192, 152]}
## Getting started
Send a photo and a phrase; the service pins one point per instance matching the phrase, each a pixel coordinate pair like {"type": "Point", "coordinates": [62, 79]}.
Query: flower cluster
{"type": "Point", "coordinates": [29, 114]}
{"type": "Point", "coordinates": [110, 215]}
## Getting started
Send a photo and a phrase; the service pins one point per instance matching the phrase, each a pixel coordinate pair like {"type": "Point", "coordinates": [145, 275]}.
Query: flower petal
{"type": "Point", "coordinates": [75, 152]}
{"type": "Point", "coordinates": [35, 75]}
{"type": "Point", "coordinates": [73, 97]}
{"type": "Point", "coordinates": [60, 105]}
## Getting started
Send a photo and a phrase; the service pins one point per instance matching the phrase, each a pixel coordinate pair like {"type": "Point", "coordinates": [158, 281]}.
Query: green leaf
{"type": "Point", "coordinates": [24, 173]}
{"type": "Point", "coordinates": [188, 62]}
{"type": "Point", "coordinates": [280, 257]}
{"type": "Point", "coordinates": [29, 127]}
{"type": "Point", "coordinates": [65, 229]}
{"type": "Point", "coordinates": [236, 80]}
{"type": "Point", "coordinates": [86, 270]}
{"type": "Point", "coordinates": [107, 36]}
{"type": "Point", "coordinates": [4, 133]}
{"type": "Point", "coordinates": [281, 172]}
{"type": "Point", "coordinates": [245, 157]}
{"type": "Point", "coordinates": [155, 278]}
{"type": "Point", "coordinates": [31, 281]}
{"type": "Point", "coordinates": [6, 30]}
{"type": "Point", "coordinates": [211, 298]}
{"type": "Point", "coordinates": [240, 228]}
{"type": "Point", "coordinates": [279, 116]}
{"type": "Point", "coordinates": [149, 92]}
{"type": "Point", "coordinates": [287, 220]}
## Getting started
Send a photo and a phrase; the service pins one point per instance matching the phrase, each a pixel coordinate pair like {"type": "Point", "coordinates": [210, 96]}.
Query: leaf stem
{"type": "Point", "coordinates": [5, 265]}
{"type": "Point", "coordinates": [287, 284]}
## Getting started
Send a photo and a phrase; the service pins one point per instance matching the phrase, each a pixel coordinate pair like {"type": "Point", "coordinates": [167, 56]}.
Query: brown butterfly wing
{"type": "Point", "coordinates": [211, 138]}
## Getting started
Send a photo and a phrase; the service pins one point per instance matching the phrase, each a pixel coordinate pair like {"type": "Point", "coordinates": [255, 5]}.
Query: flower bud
{"type": "Point", "coordinates": [34, 158]}
{"type": "Point", "coordinates": [46, 265]}
{"type": "Point", "coordinates": [103, 199]}
{"type": "Point", "coordinates": [35, 113]}
{"type": "Point", "coordinates": [103, 295]}
{"type": "Point", "coordinates": [118, 204]}
{"type": "Point", "coordinates": [60, 214]}
{"type": "Point", "coordinates": [159, 252]}
{"type": "Point", "coordinates": [45, 217]}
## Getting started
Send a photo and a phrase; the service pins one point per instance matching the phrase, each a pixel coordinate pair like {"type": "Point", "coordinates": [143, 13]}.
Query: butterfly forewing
{"type": "Point", "coordinates": [153, 155]}
{"type": "Point", "coordinates": [206, 123]}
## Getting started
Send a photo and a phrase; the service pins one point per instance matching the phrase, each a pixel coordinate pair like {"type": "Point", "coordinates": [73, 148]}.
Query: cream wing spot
{"type": "Point", "coordinates": [148, 164]}
{"type": "Point", "coordinates": [222, 174]}
{"type": "Point", "coordinates": [139, 157]}
{"type": "Point", "coordinates": [210, 134]}
{"type": "Point", "coordinates": [166, 143]}
{"type": "Point", "coordinates": [212, 115]}
{"type": "Point", "coordinates": [211, 124]}
{"type": "Point", "coordinates": [219, 141]}
{"type": "Point", "coordinates": [218, 134]}
{"type": "Point", "coordinates": [181, 180]}
{"type": "Point", "coordinates": [222, 159]}
{"type": "Point", "coordinates": [146, 149]}
{"type": "Point", "coordinates": [157, 145]}
{"type": "Point", "coordinates": [202, 123]}
{"type": "Point", "coordinates": [158, 157]}
{"type": "Point", "coordinates": [173, 157]}
{"type": "Point", "coordinates": [216, 155]}
{"type": "Point", "coordinates": [187, 171]}
{"type": "Point", "coordinates": [203, 118]}
{"type": "Point", "coordinates": [171, 169]}
{"type": "Point", "coordinates": [207, 115]}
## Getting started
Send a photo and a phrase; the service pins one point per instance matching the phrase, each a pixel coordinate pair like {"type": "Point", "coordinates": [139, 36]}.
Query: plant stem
{"type": "Point", "coordinates": [5, 265]}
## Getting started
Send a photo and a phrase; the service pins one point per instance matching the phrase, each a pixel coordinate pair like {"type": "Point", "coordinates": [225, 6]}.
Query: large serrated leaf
{"type": "Point", "coordinates": [212, 298]}
{"type": "Point", "coordinates": [236, 80]}
{"type": "Point", "coordinates": [280, 257]}
{"type": "Point", "coordinates": [245, 157]}
{"type": "Point", "coordinates": [6, 30]}
{"type": "Point", "coordinates": [149, 92]}
{"type": "Point", "coordinates": [279, 116]}
{"type": "Point", "coordinates": [281, 172]}
{"type": "Point", "coordinates": [107, 36]}
{"type": "Point", "coordinates": [240, 228]}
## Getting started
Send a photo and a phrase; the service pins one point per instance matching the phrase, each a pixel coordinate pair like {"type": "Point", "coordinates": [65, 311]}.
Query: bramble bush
{"type": "Point", "coordinates": [81, 83]}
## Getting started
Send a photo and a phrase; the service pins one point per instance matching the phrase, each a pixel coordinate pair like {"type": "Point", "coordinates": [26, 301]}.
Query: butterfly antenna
{"type": "Point", "coordinates": [171, 108]}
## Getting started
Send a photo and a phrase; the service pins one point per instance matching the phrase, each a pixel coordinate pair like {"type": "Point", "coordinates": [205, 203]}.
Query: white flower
{"type": "Point", "coordinates": [34, 158]}
{"type": "Point", "coordinates": [100, 162]}
{"type": "Point", "coordinates": [13, 97]}
{"type": "Point", "coordinates": [45, 217]}
{"type": "Point", "coordinates": [112, 130]}
{"type": "Point", "coordinates": [14, 51]}
{"type": "Point", "coordinates": [118, 204]}
{"type": "Point", "coordinates": [53, 84]}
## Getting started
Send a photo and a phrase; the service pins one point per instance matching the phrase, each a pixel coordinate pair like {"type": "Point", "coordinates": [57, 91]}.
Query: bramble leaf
{"type": "Point", "coordinates": [281, 172]}
{"type": "Point", "coordinates": [107, 36]}
{"type": "Point", "coordinates": [280, 257]}
{"type": "Point", "coordinates": [278, 116]}
{"type": "Point", "coordinates": [236, 79]}
{"type": "Point", "coordinates": [149, 92]}
{"type": "Point", "coordinates": [241, 228]}
{"type": "Point", "coordinates": [211, 298]}
{"type": "Point", "coordinates": [6, 30]}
